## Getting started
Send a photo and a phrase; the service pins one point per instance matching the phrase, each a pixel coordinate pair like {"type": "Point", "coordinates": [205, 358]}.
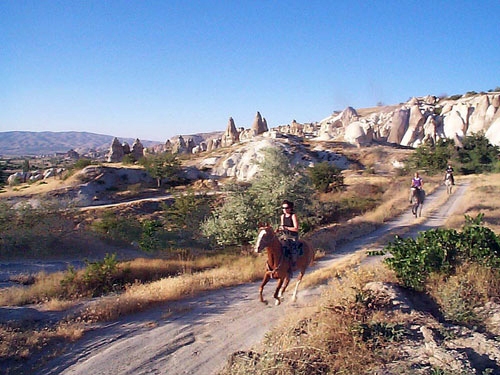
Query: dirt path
{"type": "Point", "coordinates": [196, 336]}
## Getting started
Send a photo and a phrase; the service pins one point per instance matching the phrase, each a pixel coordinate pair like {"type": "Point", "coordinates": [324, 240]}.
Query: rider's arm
{"type": "Point", "coordinates": [295, 222]}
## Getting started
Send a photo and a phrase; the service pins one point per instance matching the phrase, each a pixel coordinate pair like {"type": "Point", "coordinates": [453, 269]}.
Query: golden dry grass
{"type": "Point", "coordinates": [481, 197]}
{"type": "Point", "coordinates": [141, 296]}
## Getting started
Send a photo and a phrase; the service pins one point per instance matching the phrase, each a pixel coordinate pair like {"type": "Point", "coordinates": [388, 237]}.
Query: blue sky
{"type": "Point", "coordinates": [155, 69]}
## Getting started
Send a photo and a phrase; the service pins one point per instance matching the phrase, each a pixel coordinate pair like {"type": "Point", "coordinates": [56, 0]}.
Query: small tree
{"type": "Point", "coordinates": [163, 166]}
{"type": "Point", "coordinates": [326, 177]}
{"type": "Point", "coordinates": [235, 221]}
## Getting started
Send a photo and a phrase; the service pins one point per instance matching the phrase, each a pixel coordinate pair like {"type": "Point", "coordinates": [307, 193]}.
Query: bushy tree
{"type": "Point", "coordinates": [477, 155]}
{"type": "Point", "coordinates": [278, 180]}
{"type": "Point", "coordinates": [185, 215]}
{"type": "Point", "coordinates": [162, 166]}
{"type": "Point", "coordinates": [235, 221]}
{"type": "Point", "coordinates": [432, 157]}
{"type": "Point", "coordinates": [326, 177]}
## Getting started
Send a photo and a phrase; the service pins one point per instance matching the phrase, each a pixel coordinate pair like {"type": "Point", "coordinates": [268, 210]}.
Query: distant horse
{"type": "Point", "coordinates": [417, 196]}
{"type": "Point", "coordinates": [448, 181]}
{"type": "Point", "coordinates": [278, 264]}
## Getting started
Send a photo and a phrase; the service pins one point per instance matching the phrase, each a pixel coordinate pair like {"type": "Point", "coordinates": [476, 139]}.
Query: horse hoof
{"type": "Point", "coordinates": [277, 303]}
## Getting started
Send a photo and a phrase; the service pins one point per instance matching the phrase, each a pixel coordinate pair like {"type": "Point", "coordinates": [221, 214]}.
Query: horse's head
{"type": "Point", "coordinates": [264, 238]}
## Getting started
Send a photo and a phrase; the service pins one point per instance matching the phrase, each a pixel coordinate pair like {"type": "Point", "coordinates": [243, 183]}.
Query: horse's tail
{"type": "Point", "coordinates": [310, 250]}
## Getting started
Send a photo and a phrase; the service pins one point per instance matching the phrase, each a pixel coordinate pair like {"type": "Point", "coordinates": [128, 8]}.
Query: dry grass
{"type": "Point", "coordinates": [141, 296]}
{"type": "Point", "coordinates": [326, 338]}
{"type": "Point", "coordinates": [481, 197]}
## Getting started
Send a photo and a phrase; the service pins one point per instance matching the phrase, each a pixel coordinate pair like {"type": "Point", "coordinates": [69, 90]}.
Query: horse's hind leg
{"type": "Point", "coordinates": [299, 279]}
{"type": "Point", "coordinates": [282, 290]}
{"type": "Point", "coordinates": [277, 292]}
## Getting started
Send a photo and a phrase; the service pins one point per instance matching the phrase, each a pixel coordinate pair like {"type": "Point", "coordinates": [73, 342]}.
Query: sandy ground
{"type": "Point", "coordinates": [196, 336]}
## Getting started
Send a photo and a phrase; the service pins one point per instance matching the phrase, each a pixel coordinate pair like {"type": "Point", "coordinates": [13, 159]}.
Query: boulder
{"type": "Point", "coordinates": [356, 134]}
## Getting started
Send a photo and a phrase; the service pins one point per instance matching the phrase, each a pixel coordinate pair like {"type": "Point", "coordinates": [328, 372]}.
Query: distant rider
{"type": "Point", "coordinates": [449, 172]}
{"type": "Point", "coordinates": [416, 184]}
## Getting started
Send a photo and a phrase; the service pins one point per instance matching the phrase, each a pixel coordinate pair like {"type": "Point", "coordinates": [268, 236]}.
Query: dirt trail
{"type": "Point", "coordinates": [196, 336]}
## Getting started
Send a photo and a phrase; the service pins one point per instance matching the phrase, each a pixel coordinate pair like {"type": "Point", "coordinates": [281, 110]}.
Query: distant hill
{"type": "Point", "coordinates": [26, 143]}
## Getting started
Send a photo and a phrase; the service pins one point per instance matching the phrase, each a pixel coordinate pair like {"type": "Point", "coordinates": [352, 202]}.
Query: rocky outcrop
{"type": "Point", "coordinates": [116, 153]}
{"type": "Point", "coordinates": [415, 131]}
{"type": "Point", "coordinates": [241, 162]}
{"type": "Point", "coordinates": [137, 150]}
{"type": "Point", "coordinates": [259, 125]}
{"type": "Point", "coordinates": [231, 135]}
{"type": "Point", "coordinates": [399, 125]}
{"type": "Point", "coordinates": [420, 119]}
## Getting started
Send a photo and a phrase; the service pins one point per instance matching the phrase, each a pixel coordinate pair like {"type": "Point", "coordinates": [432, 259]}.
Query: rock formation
{"type": "Point", "coordinates": [259, 125]}
{"type": "Point", "coordinates": [116, 153]}
{"type": "Point", "coordinates": [231, 135]}
{"type": "Point", "coordinates": [137, 149]}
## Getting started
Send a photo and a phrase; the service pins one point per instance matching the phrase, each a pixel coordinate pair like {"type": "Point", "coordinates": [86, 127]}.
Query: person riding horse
{"type": "Point", "coordinates": [289, 230]}
{"type": "Point", "coordinates": [417, 183]}
{"type": "Point", "coordinates": [449, 174]}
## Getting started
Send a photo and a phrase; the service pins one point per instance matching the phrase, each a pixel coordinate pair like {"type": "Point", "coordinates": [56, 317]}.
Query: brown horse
{"type": "Point", "coordinates": [278, 265]}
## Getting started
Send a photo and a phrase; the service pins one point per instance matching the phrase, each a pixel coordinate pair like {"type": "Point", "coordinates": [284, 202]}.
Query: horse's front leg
{"type": "Point", "coordinates": [267, 277]}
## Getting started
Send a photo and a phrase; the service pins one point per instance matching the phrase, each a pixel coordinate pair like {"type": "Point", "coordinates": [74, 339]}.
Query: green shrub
{"type": "Point", "coordinates": [441, 250]}
{"type": "Point", "coordinates": [116, 228]}
{"type": "Point", "coordinates": [102, 277]}
{"type": "Point", "coordinates": [477, 155]}
{"type": "Point", "coordinates": [150, 236]}
{"type": "Point", "coordinates": [326, 177]}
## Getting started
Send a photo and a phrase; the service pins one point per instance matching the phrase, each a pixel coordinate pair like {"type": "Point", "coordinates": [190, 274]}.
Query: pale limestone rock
{"type": "Point", "coordinates": [478, 116]}
{"type": "Point", "coordinates": [454, 125]}
{"type": "Point", "coordinates": [259, 125]}
{"type": "Point", "coordinates": [430, 130]}
{"type": "Point", "coordinates": [356, 134]}
{"type": "Point", "coordinates": [493, 132]}
{"type": "Point", "coordinates": [348, 115]}
{"type": "Point", "coordinates": [400, 120]}
{"type": "Point", "coordinates": [415, 130]}
{"type": "Point", "coordinates": [137, 149]}
{"type": "Point", "coordinates": [231, 135]}
{"type": "Point", "coordinates": [115, 154]}
{"type": "Point", "coordinates": [495, 101]}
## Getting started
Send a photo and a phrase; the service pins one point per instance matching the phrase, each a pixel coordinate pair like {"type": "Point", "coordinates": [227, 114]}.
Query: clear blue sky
{"type": "Point", "coordinates": [155, 69]}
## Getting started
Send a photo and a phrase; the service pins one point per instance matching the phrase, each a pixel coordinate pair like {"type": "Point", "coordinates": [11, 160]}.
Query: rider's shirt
{"type": "Point", "coordinates": [288, 222]}
{"type": "Point", "coordinates": [449, 170]}
{"type": "Point", "coordinates": [416, 182]}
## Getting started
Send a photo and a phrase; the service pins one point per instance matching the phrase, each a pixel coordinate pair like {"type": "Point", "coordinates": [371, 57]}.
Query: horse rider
{"type": "Point", "coordinates": [449, 174]}
{"type": "Point", "coordinates": [290, 229]}
{"type": "Point", "coordinates": [417, 183]}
